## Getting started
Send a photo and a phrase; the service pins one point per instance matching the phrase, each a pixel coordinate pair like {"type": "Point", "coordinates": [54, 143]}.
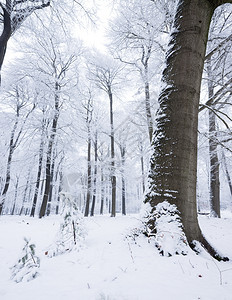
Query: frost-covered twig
{"type": "Point", "coordinates": [131, 253]}
{"type": "Point", "coordinates": [27, 266]}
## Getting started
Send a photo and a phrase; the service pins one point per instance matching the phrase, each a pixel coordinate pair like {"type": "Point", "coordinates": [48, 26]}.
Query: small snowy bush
{"type": "Point", "coordinates": [27, 266]}
{"type": "Point", "coordinates": [163, 226]}
{"type": "Point", "coordinates": [72, 229]}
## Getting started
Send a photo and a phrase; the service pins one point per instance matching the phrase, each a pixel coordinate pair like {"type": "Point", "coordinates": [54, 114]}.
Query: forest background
{"type": "Point", "coordinates": [79, 91]}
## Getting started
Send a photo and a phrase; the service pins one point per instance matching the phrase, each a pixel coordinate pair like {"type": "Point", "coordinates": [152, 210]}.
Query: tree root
{"type": "Point", "coordinates": [210, 249]}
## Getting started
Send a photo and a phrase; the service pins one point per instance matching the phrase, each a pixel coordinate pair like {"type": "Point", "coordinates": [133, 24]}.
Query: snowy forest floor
{"type": "Point", "coordinates": [112, 267]}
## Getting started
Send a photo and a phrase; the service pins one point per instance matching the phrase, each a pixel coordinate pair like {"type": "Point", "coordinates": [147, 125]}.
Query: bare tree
{"type": "Point", "coordinates": [21, 101]}
{"type": "Point", "coordinates": [89, 111]}
{"type": "Point", "coordinates": [55, 64]}
{"type": "Point", "coordinates": [138, 40]}
{"type": "Point", "coordinates": [106, 77]}
{"type": "Point", "coordinates": [13, 14]}
{"type": "Point", "coordinates": [95, 173]}
{"type": "Point", "coordinates": [218, 71]}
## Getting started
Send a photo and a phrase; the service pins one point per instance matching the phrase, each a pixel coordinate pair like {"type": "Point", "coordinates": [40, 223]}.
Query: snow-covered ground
{"type": "Point", "coordinates": [111, 266]}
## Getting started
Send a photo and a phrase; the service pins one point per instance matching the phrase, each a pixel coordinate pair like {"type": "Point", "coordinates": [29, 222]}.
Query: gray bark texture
{"type": "Point", "coordinates": [174, 161]}
{"type": "Point", "coordinates": [113, 177]}
{"type": "Point", "coordinates": [89, 179]}
{"type": "Point", "coordinates": [48, 179]}
{"type": "Point", "coordinates": [214, 182]}
{"type": "Point", "coordinates": [95, 176]}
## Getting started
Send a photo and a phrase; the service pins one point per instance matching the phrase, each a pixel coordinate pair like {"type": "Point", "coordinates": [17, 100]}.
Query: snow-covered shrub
{"type": "Point", "coordinates": [27, 266]}
{"type": "Point", "coordinates": [163, 226]}
{"type": "Point", "coordinates": [72, 229]}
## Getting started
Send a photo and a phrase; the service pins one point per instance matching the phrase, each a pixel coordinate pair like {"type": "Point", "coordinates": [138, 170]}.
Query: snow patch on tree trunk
{"type": "Point", "coordinates": [162, 224]}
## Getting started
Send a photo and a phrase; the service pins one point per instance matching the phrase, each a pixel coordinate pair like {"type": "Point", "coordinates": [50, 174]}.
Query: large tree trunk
{"type": "Point", "coordinates": [174, 162]}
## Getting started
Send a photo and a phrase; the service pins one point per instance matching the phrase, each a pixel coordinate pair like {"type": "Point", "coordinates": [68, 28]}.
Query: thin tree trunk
{"type": "Point", "coordinates": [49, 153]}
{"type": "Point", "coordinates": [148, 105]}
{"type": "Point", "coordinates": [142, 165]}
{"type": "Point", "coordinates": [14, 140]}
{"type": "Point", "coordinates": [51, 185]}
{"type": "Point", "coordinates": [113, 177]}
{"type": "Point", "coordinates": [59, 190]}
{"type": "Point", "coordinates": [89, 181]}
{"type": "Point", "coordinates": [15, 195]}
{"type": "Point", "coordinates": [59, 186]}
{"type": "Point", "coordinates": [227, 172]}
{"type": "Point", "coordinates": [95, 178]}
{"type": "Point", "coordinates": [39, 172]}
{"type": "Point", "coordinates": [36, 193]}
{"type": "Point", "coordinates": [123, 152]}
{"type": "Point", "coordinates": [102, 192]}
{"type": "Point", "coordinates": [213, 155]}
{"type": "Point", "coordinates": [9, 161]}
{"type": "Point", "coordinates": [25, 196]}
{"type": "Point", "coordinates": [89, 169]}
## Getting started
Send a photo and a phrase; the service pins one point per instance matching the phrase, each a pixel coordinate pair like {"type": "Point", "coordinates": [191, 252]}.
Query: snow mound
{"type": "Point", "coordinates": [72, 230]}
{"type": "Point", "coordinates": [163, 226]}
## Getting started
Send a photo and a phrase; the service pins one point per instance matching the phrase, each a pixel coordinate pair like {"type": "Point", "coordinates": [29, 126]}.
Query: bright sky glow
{"type": "Point", "coordinates": [94, 36]}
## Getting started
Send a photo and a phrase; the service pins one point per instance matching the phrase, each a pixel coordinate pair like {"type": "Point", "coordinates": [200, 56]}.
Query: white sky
{"type": "Point", "coordinates": [95, 36]}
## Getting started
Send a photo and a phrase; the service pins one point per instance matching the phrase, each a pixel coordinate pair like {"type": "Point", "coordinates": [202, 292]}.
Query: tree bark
{"type": "Point", "coordinates": [49, 152]}
{"type": "Point", "coordinates": [102, 192]}
{"type": "Point", "coordinates": [227, 172]}
{"type": "Point", "coordinates": [174, 162]}
{"type": "Point", "coordinates": [39, 172]}
{"type": "Point", "coordinates": [95, 178]}
{"type": "Point", "coordinates": [8, 167]}
{"type": "Point", "coordinates": [113, 177]}
{"type": "Point", "coordinates": [141, 150]}
{"type": "Point", "coordinates": [26, 194]}
{"type": "Point", "coordinates": [123, 152]}
{"type": "Point", "coordinates": [49, 204]}
{"type": "Point", "coordinates": [89, 179]}
{"type": "Point", "coordinates": [6, 33]}
{"type": "Point", "coordinates": [59, 190]}
{"type": "Point", "coordinates": [148, 103]}
{"type": "Point", "coordinates": [12, 19]}
{"type": "Point", "coordinates": [15, 195]}
{"type": "Point", "coordinates": [214, 183]}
